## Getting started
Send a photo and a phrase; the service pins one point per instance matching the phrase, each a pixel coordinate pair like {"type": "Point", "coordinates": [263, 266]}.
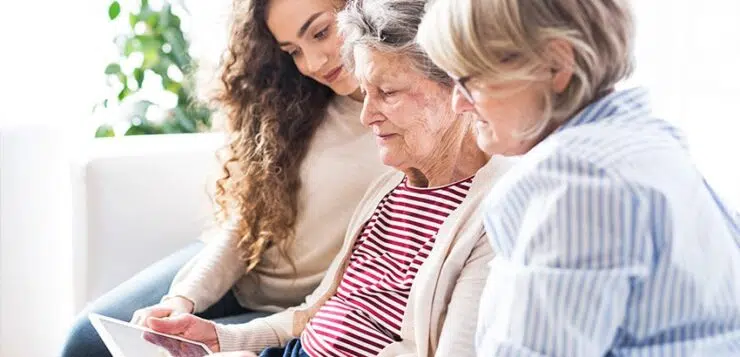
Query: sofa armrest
{"type": "Point", "coordinates": [136, 200]}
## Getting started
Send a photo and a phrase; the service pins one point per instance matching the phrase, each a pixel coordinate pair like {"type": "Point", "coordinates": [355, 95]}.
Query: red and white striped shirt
{"type": "Point", "coordinates": [365, 314]}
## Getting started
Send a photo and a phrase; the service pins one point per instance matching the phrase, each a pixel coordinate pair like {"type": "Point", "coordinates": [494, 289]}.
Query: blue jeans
{"type": "Point", "coordinates": [292, 349]}
{"type": "Point", "coordinates": [145, 289]}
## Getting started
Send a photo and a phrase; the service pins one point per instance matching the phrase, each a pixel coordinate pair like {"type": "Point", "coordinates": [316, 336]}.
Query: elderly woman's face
{"type": "Point", "coordinates": [503, 111]}
{"type": "Point", "coordinates": [506, 110]}
{"type": "Point", "coordinates": [408, 113]}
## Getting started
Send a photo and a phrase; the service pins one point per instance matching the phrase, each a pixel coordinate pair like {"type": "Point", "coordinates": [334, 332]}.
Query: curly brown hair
{"type": "Point", "coordinates": [271, 113]}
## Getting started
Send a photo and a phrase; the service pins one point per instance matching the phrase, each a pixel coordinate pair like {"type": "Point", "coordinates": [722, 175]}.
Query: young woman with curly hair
{"type": "Point", "coordinates": [297, 162]}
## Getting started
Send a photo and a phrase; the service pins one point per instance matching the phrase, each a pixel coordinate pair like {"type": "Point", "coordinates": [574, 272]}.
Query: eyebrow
{"type": "Point", "coordinates": [304, 28]}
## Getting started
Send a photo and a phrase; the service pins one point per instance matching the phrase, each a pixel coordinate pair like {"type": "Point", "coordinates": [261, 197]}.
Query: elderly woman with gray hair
{"type": "Point", "coordinates": [408, 277]}
{"type": "Point", "coordinates": [609, 242]}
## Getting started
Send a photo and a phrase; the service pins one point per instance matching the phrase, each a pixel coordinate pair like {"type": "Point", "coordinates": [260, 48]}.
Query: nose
{"type": "Point", "coordinates": [369, 114]}
{"type": "Point", "coordinates": [459, 103]}
{"type": "Point", "coordinates": [315, 60]}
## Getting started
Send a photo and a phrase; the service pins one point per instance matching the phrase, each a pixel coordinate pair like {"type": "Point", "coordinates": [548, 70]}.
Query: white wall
{"type": "Point", "coordinates": [51, 57]}
{"type": "Point", "coordinates": [51, 74]}
{"type": "Point", "coordinates": [35, 244]}
{"type": "Point", "coordinates": [688, 54]}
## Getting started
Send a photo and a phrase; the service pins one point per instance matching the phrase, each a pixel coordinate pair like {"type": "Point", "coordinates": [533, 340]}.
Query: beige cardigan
{"type": "Point", "coordinates": [441, 314]}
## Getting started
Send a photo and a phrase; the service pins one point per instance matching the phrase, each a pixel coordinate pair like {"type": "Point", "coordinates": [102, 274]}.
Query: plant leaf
{"type": "Point", "coordinates": [139, 76]}
{"type": "Point", "coordinates": [139, 109]}
{"type": "Point", "coordinates": [105, 131]}
{"type": "Point", "coordinates": [113, 68]}
{"type": "Point", "coordinates": [132, 45]}
{"type": "Point", "coordinates": [114, 10]}
{"type": "Point", "coordinates": [179, 52]}
{"type": "Point", "coordinates": [184, 121]}
{"type": "Point", "coordinates": [145, 128]}
{"type": "Point", "coordinates": [132, 20]}
{"type": "Point", "coordinates": [135, 130]}
{"type": "Point", "coordinates": [124, 93]}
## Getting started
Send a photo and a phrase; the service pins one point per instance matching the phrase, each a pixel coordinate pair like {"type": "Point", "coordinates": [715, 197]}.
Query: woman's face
{"type": "Point", "coordinates": [306, 29]}
{"type": "Point", "coordinates": [506, 110]}
{"type": "Point", "coordinates": [503, 112]}
{"type": "Point", "coordinates": [409, 114]}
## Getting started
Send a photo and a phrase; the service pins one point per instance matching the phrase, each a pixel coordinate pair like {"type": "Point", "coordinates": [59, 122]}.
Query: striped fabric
{"type": "Point", "coordinates": [610, 243]}
{"type": "Point", "coordinates": [365, 314]}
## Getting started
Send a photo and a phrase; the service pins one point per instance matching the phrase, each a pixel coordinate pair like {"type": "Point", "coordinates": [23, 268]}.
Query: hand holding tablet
{"type": "Point", "coordinates": [175, 305]}
{"type": "Point", "coordinates": [187, 326]}
{"type": "Point", "coordinates": [124, 339]}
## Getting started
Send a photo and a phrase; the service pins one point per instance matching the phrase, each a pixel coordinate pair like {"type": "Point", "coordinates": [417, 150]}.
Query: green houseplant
{"type": "Point", "coordinates": [154, 42]}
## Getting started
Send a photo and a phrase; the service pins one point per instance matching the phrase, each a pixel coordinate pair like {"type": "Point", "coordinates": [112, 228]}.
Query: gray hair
{"type": "Point", "coordinates": [387, 26]}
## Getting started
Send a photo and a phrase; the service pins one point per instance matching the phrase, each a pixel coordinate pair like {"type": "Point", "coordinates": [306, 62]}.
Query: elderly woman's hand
{"type": "Point", "coordinates": [235, 354]}
{"type": "Point", "coordinates": [189, 327]}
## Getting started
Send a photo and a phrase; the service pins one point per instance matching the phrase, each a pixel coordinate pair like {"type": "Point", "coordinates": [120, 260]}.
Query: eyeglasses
{"type": "Point", "coordinates": [460, 84]}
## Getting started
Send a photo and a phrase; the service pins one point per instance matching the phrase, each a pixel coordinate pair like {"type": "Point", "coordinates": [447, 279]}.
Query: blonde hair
{"type": "Point", "coordinates": [474, 37]}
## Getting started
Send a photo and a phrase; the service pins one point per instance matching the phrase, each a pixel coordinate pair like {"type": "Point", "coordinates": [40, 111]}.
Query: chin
{"type": "Point", "coordinates": [389, 160]}
{"type": "Point", "coordinates": [487, 145]}
{"type": "Point", "coordinates": [343, 91]}
{"type": "Point", "coordinates": [344, 87]}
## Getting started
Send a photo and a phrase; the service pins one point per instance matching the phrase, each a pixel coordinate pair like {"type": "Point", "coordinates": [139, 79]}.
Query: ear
{"type": "Point", "coordinates": [562, 58]}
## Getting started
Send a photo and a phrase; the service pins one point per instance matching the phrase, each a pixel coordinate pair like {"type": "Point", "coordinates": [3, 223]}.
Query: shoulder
{"type": "Point", "coordinates": [622, 151]}
{"type": "Point", "coordinates": [615, 142]}
{"type": "Point", "coordinates": [602, 180]}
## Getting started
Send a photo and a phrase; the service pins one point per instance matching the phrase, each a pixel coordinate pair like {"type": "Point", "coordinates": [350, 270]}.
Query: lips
{"type": "Point", "coordinates": [382, 135]}
{"type": "Point", "coordinates": [333, 75]}
{"type": "Point", "coordinates": [383, 138]}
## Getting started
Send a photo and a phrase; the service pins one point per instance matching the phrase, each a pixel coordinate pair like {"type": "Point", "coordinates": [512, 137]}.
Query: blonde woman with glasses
{"type": "Point", "coordinates": [608, 240]}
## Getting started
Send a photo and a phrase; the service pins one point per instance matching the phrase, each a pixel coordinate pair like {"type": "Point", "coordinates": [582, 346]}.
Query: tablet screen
{"type": "Point", "coordinates": [134, 341]}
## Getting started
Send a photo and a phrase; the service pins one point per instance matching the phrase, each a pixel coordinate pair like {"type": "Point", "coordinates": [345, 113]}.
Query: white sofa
{"type": "Point", "coordinates": [138, 199]}
{"type": "Point", "coordinates": [79, 216]}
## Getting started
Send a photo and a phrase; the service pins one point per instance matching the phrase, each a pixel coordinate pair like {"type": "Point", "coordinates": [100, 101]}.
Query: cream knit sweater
{"type": "Point", "coordinates": [441, 314]}
{"type": "Point", "coordinates": [341, 162]}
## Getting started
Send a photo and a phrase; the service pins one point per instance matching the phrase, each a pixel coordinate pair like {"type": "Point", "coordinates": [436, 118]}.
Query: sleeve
{"type": "Point", "coordinates": [279, 328]}
{"type": "Point", "coordinates": [570, 245]}
{"type": "Point", "coordinates": [211, 273]}
{"type": "Point", "coordinates": [458, 331]}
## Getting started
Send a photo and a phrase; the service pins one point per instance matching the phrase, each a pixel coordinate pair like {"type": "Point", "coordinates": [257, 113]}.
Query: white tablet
{"type": "Point", "coordinates": [124, 339]}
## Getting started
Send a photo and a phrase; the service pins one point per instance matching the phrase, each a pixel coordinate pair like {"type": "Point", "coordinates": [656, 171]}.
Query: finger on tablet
{"type": "Point", "coordinates": [141, 315]}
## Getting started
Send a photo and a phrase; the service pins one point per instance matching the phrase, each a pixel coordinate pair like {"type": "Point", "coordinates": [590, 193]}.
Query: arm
{"type": "Point", "coordinates": [458, 331]}
{"type": "Point", "coordinates": [199, 280]}
{"type": "Point", "coordinates": [279, 328]}
{"type": "Point", "coordinates": [211, 273]}
{"type": "Point", "coordinates": [572, 244]}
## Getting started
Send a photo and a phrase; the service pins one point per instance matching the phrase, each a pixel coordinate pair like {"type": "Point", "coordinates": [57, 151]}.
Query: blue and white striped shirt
{"type": "Point", "coordinates": [610, 243]}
